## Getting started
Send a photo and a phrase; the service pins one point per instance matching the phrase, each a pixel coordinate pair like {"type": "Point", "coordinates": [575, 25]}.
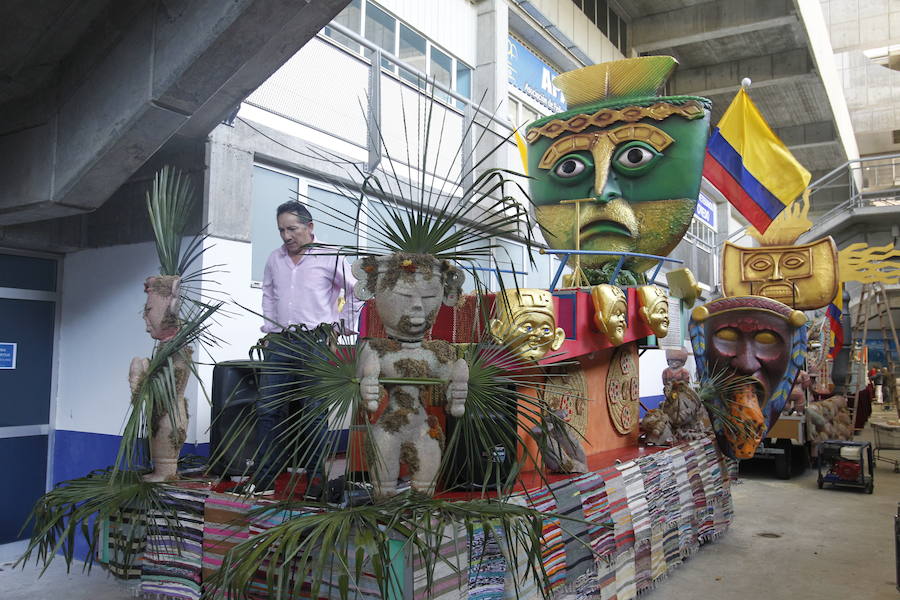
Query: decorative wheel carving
{"type": "Point", "coordinates": [622, 389]}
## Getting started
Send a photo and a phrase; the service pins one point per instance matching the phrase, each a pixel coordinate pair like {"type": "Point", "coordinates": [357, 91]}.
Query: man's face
{"type": "Point", "coordinates": [751, 343]}
{"type": "Point", "coordinates": [638, 182]}
{"type": "Point", "coordinates": [409, 307]}
{"type": "Point", "coordinates": [294, 233]}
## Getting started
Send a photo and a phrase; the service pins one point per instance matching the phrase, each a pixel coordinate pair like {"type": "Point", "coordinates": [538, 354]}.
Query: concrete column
{"type": "Point", "coordinates": [491, 75]}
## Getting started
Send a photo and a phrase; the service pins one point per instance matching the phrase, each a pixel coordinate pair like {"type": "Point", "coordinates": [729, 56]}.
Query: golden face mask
{"type": "Point", "coordinates": [803, 277]}
{"type": "Point", "coordinates": [526, 323]}
{"type": "Point", "coordinates": [610, 307]}
{"type": "Point", "coordinates": [654, 309]}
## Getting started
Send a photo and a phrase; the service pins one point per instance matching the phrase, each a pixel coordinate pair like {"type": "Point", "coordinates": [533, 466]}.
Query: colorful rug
{"type": "Point", "coordinates": [173, 554]}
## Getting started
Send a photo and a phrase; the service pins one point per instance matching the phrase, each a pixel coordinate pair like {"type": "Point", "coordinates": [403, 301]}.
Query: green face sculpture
{"type": "Point", "coordinates": [631, 164]}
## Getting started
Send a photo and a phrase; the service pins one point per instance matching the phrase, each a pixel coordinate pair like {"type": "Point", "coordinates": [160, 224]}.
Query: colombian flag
{"type": "Point", "coordinates": [833, 314]}
{"type": "Point", "coordinates": [747, 162]}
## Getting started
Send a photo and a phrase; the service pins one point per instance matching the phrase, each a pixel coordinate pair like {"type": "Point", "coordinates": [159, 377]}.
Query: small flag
{"type": "Point", "coordinates": [752, 168]}
{"type": "Point", "coordinates": [833, 314]}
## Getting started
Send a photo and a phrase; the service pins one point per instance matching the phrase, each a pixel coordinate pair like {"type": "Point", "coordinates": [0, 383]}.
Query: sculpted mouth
{"type": "Point", "coordinates": [603, 227]}
{"type": "Point", "coordinates": [778, 290]}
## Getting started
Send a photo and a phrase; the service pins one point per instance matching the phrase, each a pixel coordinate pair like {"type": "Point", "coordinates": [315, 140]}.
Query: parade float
{"type": "Point", "coordinates": [494, 446]}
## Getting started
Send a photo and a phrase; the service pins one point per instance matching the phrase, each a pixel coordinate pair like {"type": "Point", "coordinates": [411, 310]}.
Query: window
{"type": "Point", "coordinates": [510, 256]}
{"type": "Point", "coordinates": [412, 51]}
{"type": "Point", "coordinates": [388, 33]}
{"type": "Point", "coordinates": [349, 18]}
{"type": "Point", "coordinates": [607, 21]}
{"type": "Point", "coordinates": [332, 217]}
{"type": "Point", "coordinates": [270, 188]}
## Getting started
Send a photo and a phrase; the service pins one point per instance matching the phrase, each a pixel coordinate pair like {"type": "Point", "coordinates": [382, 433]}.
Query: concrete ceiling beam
{"type": "Point", "coordinates": [173, 70]}
{"type": "Point", "coordinates": [711, 20]}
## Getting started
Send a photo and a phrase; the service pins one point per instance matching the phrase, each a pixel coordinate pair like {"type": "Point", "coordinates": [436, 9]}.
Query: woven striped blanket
{"type": "Point", "coordinates": [173, 553]}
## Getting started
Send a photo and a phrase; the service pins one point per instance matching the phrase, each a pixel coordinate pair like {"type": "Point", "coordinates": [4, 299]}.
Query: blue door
{"type": "Point", "coordinates": [28, 298]}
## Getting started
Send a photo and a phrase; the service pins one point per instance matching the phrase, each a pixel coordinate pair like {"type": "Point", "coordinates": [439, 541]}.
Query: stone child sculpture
{"type": "Point", "coordinates": [168, 430]}
{"type": "Point", "coordinates": [408, 290]}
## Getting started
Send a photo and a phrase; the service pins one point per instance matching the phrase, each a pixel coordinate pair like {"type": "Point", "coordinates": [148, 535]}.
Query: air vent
{"type": "Point", "coordinates": [896, 135]}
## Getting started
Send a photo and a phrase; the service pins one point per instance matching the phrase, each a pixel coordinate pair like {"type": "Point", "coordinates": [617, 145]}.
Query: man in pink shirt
{"type": "Point", "coordinates": [302, 289]}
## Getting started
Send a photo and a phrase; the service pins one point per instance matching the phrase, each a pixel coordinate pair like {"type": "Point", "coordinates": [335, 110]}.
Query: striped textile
{"type": "Point", "coordinates": [225, 525]}
{"type": "Point", "coordinates": [618, 509]}
{"type": "Point", "coordinates": [451, 576]}
{"type": "Point", "coordinates": [579, 557]}
{"type": "Point", "coordinates": [640, 519]}
{"type": "Point", "coordinates": [127, 527]}
{"type": "Point", "coordinates": [487, 566]}
{"type": "Point", "coordinates": [553, 555]}
{"type": "Point", "coordinates": [595, 507]}
{"type": "Point", "coordinates": [173, 554]}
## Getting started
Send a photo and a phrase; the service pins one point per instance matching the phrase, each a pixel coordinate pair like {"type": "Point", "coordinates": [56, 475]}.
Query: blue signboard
{"type": "Point", "coordinates": [706, 211]}
{"type": "Point", "coordinates": [7, 355]}
{"type": "Point", "coordinates": [530, 74]}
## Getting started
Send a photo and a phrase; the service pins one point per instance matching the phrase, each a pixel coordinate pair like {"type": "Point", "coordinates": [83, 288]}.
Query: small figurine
{"type": "Point", "coordinates": [676, 359]}
{"type": "Point", "coordinates": [562, 451]}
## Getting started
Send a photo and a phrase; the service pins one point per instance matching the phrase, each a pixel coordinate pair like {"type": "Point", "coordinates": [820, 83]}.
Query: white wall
{"type": "Point", "coordinates": [237, 328]}
{"type": "Point", "coordinates": [101, 330]}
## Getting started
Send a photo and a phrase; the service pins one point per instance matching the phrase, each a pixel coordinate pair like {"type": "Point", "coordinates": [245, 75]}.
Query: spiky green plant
{"type": "Point", "coordinates": [118, 491]}
{"type": "Point", "coordinates": [84, 505]}
{"type": "Point", "coordinates": [313, 548]}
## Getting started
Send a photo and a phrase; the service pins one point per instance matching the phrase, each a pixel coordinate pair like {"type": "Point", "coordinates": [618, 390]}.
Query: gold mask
{"type": "Point", "coordinates": [654, 309]}
{"type": "Point", "coordinates": [526, 323]}
{"type": "Point", "coordinates": [804, 277]}
{"type": "Point", "coordinates": [610, 306]}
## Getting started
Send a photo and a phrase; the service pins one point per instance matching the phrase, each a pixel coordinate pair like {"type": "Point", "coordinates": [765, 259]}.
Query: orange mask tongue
{"type": "Point", "coordinates": [747, 423]}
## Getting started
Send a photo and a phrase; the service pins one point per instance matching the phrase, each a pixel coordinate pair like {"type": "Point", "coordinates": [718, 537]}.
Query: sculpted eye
{"type": "Point", "coordinates": [569, 167]}
{"type": "Point", "coordinates": [766, 337]}
{"type": "Point", "coordinates": [728, 334]}
{"type": "Point", "coordinates": [761, 263]}
{"type": "Point", "coordinates": [635, 158]}
{"type": "Point", "coordinates": [792, 261]}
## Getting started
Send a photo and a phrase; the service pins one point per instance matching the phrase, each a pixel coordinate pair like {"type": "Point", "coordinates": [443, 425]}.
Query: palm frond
{"type": "Point", "coordinates": [312, 548]}
{"type": "Point", "coordinates": [84, 505]}
{"type": "Point", "coordinates": [170, 201]}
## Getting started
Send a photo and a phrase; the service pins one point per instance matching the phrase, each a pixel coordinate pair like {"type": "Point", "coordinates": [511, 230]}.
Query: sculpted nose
{"type": "Point", "coordinates": [744, 361]}
{"type": "Point", "coordinates": [610, 189]}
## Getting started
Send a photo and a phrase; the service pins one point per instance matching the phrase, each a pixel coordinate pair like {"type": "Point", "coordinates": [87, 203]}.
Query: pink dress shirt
{"type": "Point", "coordinates": [307, 292]}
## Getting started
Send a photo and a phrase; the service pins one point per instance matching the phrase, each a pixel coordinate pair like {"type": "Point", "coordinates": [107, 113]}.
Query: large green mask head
{"type": "Point", "coordinates": [620, 170]}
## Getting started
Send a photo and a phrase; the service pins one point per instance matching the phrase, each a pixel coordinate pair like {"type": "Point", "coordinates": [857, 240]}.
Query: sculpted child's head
{"type": "Point", "coordinates": [526, 323]}
{"type": "Point", "coordinates": [409, 289]}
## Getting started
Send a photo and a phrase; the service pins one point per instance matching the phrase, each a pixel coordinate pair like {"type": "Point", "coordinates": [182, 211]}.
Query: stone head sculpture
{"type": "Point", "coordinates": [526, 323]}
{"type": "Point", "coordinates": [620, 169]}
{"type": "Point", "coordinates": [409, 289]}
{"type": "Point", "coordinates": [610, 307]}
{"type": "Point", "coordinates": [676, 357]}
{"type": "Point", "coordinates": [762, 341]}
{"type": "Point", "coordinates": [654, 309]}
{"type": "Point", "coordinates": [161, 308]}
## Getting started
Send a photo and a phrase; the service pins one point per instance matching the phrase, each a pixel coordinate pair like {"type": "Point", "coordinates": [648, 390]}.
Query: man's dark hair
{"type": "Point", "coordinates": [294, 207]}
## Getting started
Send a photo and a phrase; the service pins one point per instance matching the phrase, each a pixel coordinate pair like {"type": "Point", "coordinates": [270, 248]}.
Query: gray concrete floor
{"type": "Point", "coordinates": [789, 541]}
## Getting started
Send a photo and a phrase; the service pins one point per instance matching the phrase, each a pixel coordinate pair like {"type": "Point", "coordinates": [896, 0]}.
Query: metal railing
{"type": "Point", "coordinates": [867, 182]}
